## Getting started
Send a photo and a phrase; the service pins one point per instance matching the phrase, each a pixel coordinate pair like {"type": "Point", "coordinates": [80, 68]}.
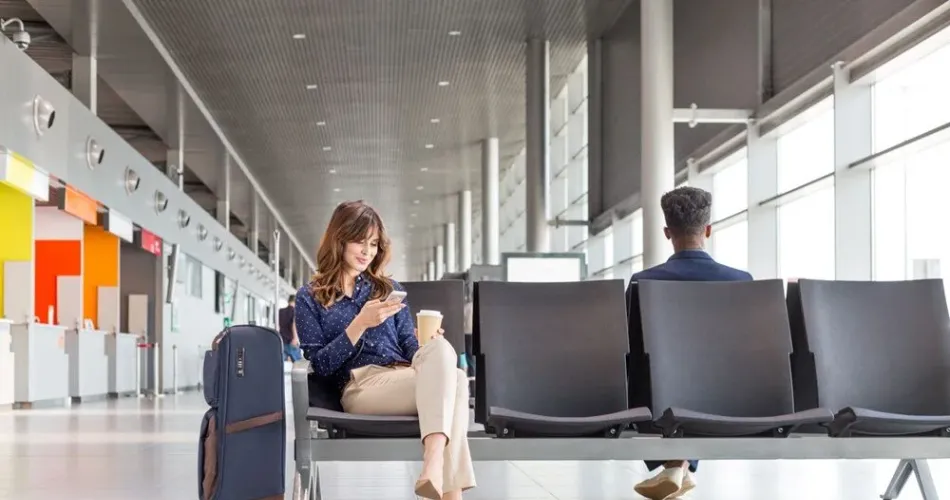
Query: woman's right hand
{"type": "Point", "coordinates": [373, 314]}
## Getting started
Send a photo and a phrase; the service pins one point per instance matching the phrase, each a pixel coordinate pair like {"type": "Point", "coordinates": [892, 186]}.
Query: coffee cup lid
{"type": "Point", "coordinates": [427, 312]}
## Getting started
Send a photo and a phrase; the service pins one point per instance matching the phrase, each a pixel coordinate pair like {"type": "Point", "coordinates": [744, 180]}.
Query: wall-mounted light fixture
{"type": "Point", "coordinates": [231, 253]}
{"type": "Point", "coordinates": [202, 232]}
{"type": "Point", "coordinates": [94, 153]}
{"type": "Point", "coordinates": [218, 244]}
{"type": "Point", "coordinates": [161, 201]}
{"type": "Point", "coordinates": [183, 219]}
{"type": "Point", "coordinates": [44, 115]}
{"type": "Point", "coordinates": [132, 180]}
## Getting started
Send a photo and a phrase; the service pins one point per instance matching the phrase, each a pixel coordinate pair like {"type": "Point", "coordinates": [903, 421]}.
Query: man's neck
{"type": "Point", "coordinates": [683, 246]}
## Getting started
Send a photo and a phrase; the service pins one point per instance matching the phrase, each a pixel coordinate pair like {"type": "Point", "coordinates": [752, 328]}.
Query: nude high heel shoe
{"type": "Point", "coordinates": [429, 488]}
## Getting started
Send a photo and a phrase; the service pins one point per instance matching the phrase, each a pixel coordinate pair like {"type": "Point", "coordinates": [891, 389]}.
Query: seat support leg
{"type": "Point", "coordinates": [921, 470]}
{"type": "Point", "coordinates": [898, 481]}
{"type": "Point", "coordinates": [316, 494]}
{"type": "Point", "coordinates": [928, 490]}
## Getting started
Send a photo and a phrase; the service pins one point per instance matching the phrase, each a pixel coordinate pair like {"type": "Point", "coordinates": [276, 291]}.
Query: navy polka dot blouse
{"type": "Point", "coordinates": [322, 334]}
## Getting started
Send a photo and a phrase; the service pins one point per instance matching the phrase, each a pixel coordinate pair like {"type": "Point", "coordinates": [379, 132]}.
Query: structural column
{"type": "Point", "coordinates": [430, 271]}
{"type": "Point", "coordinates": [465, 230]}
{"type": "Point", "coordinates": [490, 202]}
{"type": "Point", "coordinates": [289, 265]}
{"type": "Point", "coordinates": [537, 143]}
{"type": "Point", "coordinates": [762, 219]}
{"type": "Point", "coordinates": [439, 262]}
{"type": "Point", "coordinates": [854, 135]}
{"type": "Point", "coordinates": [223, 207]}
{"type": "Point", "coordinates": [255, 235]}
{"type": "Point", "coordinates": [84, 81]}
{"type": "Point", "coordinates": [656, 103]}
{"type": "Point", "coordinates": [451, 262]}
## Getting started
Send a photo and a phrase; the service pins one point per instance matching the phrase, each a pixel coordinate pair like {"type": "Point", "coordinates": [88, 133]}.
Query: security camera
{"type": "Point", "coordinates": [22, 40]}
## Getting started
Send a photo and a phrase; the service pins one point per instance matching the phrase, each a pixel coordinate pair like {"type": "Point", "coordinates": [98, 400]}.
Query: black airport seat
{"type": "Point", "coordinates": [718, 356]}
{"type": "Point", "coordinates": [325, 408]}
{"type": "Point", "coordinates": [882, 355]}
{"type": "Point", "coordinates": [552, 359]}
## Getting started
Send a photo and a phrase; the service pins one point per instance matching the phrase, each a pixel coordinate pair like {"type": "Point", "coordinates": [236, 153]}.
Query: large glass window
{"type": "Point", "coordinates": [806, 239]}
{"type": "Point", "coordinates": [730, 187]}
{"type": "Point", "coordinates": [910, 208]}
{"type": "Point", "coordinates": [914, 99]}
{"type": "Point", "coordinates": [730, 245]}
{"type": "Point", "coordinates": [806, 150]}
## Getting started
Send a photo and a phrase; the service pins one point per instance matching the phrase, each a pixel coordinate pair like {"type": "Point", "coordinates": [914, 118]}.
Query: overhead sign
{"type": "Point", "coordinates": [20, 173]}
{"type": "Point", "coordinates": [79, 205]}
{"type": "Point", "coordinates": [150, 242]}
{"type": "Point", "coordinates": [118, 224]}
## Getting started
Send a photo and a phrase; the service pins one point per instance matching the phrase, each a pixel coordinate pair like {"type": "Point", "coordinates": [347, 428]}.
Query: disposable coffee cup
{"type": "Point", "coordinates": [428, 323]}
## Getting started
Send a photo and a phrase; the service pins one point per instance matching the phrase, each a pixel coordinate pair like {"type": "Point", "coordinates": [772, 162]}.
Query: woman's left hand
{"type": "Point", "coordinates": [440, 333]}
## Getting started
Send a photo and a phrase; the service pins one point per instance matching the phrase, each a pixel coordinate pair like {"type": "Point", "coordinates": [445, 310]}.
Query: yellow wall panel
{"type": "Point", "coordinates": [16, 229]}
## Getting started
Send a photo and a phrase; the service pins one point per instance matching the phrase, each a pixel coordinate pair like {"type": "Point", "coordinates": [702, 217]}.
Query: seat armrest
{"type": "Point", "coordinates": [300, 399]}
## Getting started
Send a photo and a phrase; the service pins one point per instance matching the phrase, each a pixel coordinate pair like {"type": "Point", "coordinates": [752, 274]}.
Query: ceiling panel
{"type": "Point", "coordinates": [363, 131]}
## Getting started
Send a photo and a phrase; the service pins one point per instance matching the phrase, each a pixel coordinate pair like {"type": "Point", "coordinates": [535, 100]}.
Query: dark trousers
{"type": "Point", "coordinates": [654, 464]}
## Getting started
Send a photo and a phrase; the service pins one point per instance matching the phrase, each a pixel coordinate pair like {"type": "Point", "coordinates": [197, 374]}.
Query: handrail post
{"type": "Point", "coordinates": [175, 369]}
{"type": "Point", "coordinates": [138, 369]}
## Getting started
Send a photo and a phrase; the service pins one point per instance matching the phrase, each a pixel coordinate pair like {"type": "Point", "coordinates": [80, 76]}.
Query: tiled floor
{"type": "Point", "coordinates": [140, 450]}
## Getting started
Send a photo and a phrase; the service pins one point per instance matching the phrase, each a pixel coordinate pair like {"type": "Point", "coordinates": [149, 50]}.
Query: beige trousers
{"type": "Point", "coordinates": [434, 389]}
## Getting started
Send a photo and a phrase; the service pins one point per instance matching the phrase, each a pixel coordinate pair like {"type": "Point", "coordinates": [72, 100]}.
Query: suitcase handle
{"type": "Point", "coordinates": [253, 422]}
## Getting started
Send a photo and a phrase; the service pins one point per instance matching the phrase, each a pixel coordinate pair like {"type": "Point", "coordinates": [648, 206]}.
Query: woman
{"type": "Point", "coordinates": [370, 349]}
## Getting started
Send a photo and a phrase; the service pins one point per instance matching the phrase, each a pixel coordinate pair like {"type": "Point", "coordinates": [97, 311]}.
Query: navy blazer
{"type": "Point", "coordinates": [691, 265]}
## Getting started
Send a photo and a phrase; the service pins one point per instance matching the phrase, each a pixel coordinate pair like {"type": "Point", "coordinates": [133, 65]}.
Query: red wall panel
{"type": "Point", "coordinates": [54, 259]}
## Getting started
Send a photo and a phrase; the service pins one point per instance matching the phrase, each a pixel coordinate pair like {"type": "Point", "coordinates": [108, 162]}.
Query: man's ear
{"type": "Point", "coordinates": [708, 230]}
{"type": "Point", "coordinates": [667, 233]}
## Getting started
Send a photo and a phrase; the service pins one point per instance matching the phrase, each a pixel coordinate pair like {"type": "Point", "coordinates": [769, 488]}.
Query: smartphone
{"type": "Point", "coordinates": [396, 297]}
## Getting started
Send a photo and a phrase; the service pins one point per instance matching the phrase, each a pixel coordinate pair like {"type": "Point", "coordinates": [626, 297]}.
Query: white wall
{"type": "Point", "coordinates": [198, 326]}
{"type": "Point", "coordinates": [52, 223]}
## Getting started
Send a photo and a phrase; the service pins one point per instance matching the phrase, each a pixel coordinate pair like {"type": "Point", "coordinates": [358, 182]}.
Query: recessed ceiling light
{"type": "Point", "coordinates": [300, 36]}
{"type": "Point", "coordinates": [455, 33]}
{"type": "Point", "coordinates": [327, 148]}
{"type": "Point", "coordinates": [424, 169]}
{"type": "Point", "coordinates": [412, 215]}
{"type": "Point", "coordinates": [415, 202]}
{"type": "Point", "coordinates": [419, 188]}
{"type": "Point", "coordinates": [321, 124]}
{"type": "Point", "coordinates": [336, 190]}
{"type": "Point", "coordinates": [311, 86]}
{"type": "Point", "coordinates": [434, 120]}
{"type": "Point", "coordinates": [443, 83]}
{"type": "Point", "coordinates": [412, 226]}
{"type": "Point", "coordinates": [430, 146]}
{"type": "Point", "coordinates": [332, 170]}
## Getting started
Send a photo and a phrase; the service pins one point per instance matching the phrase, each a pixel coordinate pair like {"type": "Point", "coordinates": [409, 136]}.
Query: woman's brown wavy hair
{"type": "Point", "coordinates": [352, 221]}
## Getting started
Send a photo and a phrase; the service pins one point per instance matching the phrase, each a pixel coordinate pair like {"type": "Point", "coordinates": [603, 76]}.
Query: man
{"type": "Point", "coordinates": [288, 331]}
{"type": "Point", "coordinates": [687, 212]}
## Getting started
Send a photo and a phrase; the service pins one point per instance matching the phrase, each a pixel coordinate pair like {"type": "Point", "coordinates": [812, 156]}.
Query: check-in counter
{"type": "Point", "coordinates": [122, 348]}
{"type": "Point", "coordinates": [6, 363]}
{"type": "Point", "coordinates": [88, 363]}
{"type": "Point", "coordinates": [41, 364]}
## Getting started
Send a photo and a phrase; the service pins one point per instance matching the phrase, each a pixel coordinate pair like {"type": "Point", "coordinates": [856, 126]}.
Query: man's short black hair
{"type": "Point", "coordinates": [687, 210]}
{"type": "Point", "coordinates": [291, 299]}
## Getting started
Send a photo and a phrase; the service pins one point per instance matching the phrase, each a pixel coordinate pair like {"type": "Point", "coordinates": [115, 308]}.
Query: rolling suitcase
{"type": "Point", "coordinates": [243, 435]}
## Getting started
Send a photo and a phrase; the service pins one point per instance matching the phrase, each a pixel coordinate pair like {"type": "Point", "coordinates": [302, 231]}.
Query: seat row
{"type": "Point", "coordinates": [694, 359]}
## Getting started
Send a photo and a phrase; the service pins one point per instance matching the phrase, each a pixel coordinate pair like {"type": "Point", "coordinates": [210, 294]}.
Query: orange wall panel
{"type": "Point", "coordinates": [100, 268]}
{"type": "Point", "coordinates": [54, 259]}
